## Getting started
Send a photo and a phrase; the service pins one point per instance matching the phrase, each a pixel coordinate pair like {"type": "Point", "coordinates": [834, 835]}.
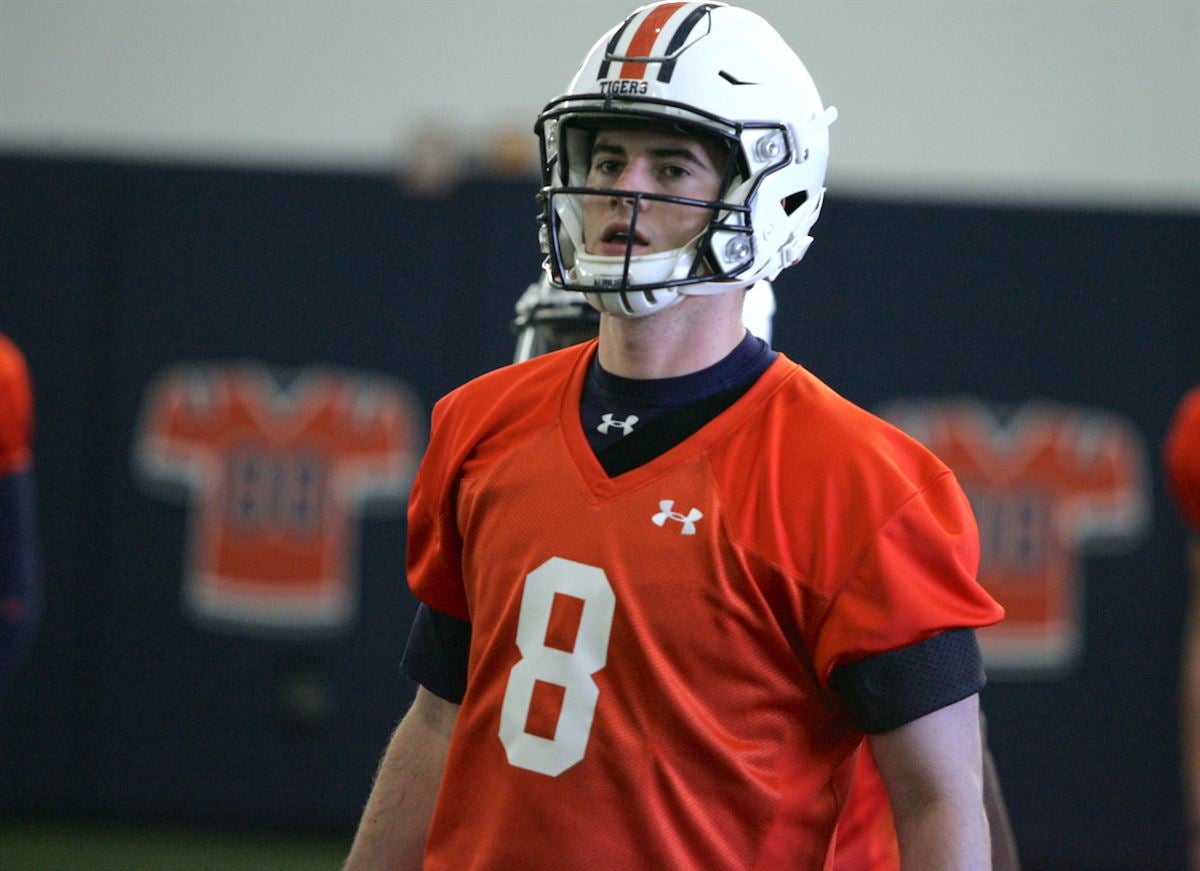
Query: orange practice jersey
{"type": "Point", "coordinates": [1183, 457]}
{"type": "Point", "coordinates": [276, 477]}
{"type": "Point", "coordinates": [648, 683]}
{"type": "Point", "coordinates": [16, 409]}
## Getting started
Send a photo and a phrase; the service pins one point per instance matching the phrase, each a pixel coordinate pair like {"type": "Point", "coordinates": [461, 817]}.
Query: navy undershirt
{"type": "Point", "coordinates": [613, 407]}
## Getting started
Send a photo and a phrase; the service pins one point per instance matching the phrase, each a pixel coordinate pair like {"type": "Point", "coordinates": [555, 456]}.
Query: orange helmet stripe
{"type": "Point", "coordinates": [643, 39]}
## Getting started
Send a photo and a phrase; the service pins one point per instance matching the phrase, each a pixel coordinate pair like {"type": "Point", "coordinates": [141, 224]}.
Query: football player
{"type": "Point", "coordinates": [548, 319]}
{"type": "Point", "coordinates": [693, 577]}
{"type": "Point", "coordinates": [19, 593]}
{"type": "Point", "coordinates": [1182, 449]}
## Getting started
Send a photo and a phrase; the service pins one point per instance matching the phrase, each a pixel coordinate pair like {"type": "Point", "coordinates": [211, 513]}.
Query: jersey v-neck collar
{"type": "Point", "coordinates": [597, 481]}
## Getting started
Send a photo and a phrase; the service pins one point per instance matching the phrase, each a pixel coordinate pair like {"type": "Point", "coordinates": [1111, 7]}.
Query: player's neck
{"type": "Point", "coordinates": [690, 336]}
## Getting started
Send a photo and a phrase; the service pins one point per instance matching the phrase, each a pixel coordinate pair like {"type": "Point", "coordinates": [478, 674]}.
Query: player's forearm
{"type": "Point", "coordinates": [394, 825]}
{"type": "Point", "coordinates": [932, 768]}
{"type": "Point", "coordinates": [944, 834]}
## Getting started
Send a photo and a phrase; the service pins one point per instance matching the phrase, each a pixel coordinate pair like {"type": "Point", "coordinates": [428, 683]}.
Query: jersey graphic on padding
{"type": "Point", "coordinates": [1049, 484]}
{"type": "Point", "coordinates": [276, 478]}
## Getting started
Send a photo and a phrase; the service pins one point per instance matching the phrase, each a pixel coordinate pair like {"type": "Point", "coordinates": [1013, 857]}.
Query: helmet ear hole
{"type": "Point", "coordinates": [794, 201]}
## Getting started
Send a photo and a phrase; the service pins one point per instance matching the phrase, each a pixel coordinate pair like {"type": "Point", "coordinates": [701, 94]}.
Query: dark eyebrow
{"type": "Point", "coordinates": [608, 149]}
{"type": "Point", "coordinates": [678, 152]}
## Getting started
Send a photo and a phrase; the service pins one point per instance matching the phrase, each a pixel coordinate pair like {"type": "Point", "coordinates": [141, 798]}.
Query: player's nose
{"type": "Point", "coordinates": [635, 176]}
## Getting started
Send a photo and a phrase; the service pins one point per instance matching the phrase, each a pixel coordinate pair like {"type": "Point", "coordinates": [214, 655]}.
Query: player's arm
{"type": "Point", "coordinates": [394, 825]}
{"type": "Point", "coordinates": [932, 768]}
{"type": "Point", "coordinates": [396, 820]}
{"type": "Point", "coordinates": [919, 706]}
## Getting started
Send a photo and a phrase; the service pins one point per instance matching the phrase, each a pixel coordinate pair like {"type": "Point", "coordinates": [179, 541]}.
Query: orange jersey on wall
{"type": "Point", "coordinates": [276, 477]}
{"type": "Point", "coordinates": [650, 655]}
{"type": "Point", "coordinates": [16, 409]}
{"type": "Point", "coordinates": [1047, 485]}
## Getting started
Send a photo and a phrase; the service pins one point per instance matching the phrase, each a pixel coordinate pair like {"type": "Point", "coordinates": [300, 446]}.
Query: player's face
{"type": "Point", "coordinates": [648, 161]}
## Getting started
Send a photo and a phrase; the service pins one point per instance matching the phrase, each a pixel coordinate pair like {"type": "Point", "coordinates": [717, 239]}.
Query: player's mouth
{"type": "Point", "coordinates": [615, 240]}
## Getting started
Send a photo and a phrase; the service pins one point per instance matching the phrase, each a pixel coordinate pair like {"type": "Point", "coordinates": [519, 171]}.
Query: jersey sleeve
{"type": "Point", "coordinates": [1182, 450]}
{"type": "Point", "coordinates": [916, 578]}
{"type": "Point", "coordinates": [887, 690]}
{"type": "Point", "coordinates": [434, 556]}
{"type": "Point", "coordinates": [471, 427]}
{"type": "Point", "coordinates": [182, 412]}
{"type": "Point", "coordinates": [438, 653]}
{"type": "Point", "coordinates": [16, 409]}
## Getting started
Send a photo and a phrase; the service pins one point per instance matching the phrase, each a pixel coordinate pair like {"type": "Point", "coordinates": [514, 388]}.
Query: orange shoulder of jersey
{"type": "Point", "coordinates": [1182, 449]}
{"type": "Point", "coordinates": [878, 536]}
{"type": "Point", "coordinates": [471, 425]}
{"type": "Point", "coordinates": [16, 408]}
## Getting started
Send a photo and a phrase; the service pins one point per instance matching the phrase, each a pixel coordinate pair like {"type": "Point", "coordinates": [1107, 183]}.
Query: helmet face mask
{"type": "Point", "coordinates": [658, 274]}
{"type": "Point", "coordinates": [704, 71]}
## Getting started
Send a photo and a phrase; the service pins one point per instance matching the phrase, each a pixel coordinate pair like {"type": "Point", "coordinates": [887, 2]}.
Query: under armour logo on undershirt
{"type": "Point", "coordinates": [625, 426]}
{"type": "Point", "coordinates": [666, 513]}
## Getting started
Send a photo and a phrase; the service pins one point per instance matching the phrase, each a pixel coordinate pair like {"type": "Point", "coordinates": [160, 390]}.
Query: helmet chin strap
{"type": "Point", "coordinates": [607, 274]}
{"type": "Point", "coordinates": [631, 304]}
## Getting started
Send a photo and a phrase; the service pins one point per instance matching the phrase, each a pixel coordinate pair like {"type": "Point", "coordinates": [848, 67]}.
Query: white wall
{"type": "Point", "coordinates": [1051, 101]}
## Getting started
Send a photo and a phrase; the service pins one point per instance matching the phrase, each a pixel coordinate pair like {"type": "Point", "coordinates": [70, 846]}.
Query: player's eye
{"type": "Point", "coordinates": [606, 166]}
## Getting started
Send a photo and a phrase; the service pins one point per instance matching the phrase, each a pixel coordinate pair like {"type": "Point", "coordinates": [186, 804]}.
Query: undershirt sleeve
{"type": "Point", "coordinates": [437, 652]}
{"type": "Point", "coordinates": [888, 690]}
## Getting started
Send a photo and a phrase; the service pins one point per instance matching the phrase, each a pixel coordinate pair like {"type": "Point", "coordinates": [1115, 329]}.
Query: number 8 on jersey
{"type": "Point", "coordinates": [570, 670]}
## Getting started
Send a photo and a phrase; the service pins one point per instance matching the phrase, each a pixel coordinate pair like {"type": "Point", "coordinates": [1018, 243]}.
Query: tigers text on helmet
{"type": "Point", "coordinates": [707, 71]}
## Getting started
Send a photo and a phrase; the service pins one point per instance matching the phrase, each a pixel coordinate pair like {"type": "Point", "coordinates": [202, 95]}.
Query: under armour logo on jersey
{"type": "Point", "coordinates": [625, 426]}
{"type": "Point", "coordinates": [666, 513]}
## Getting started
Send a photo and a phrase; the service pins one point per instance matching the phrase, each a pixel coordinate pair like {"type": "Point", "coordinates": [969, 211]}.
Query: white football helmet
{"type": "Point", "coordinates": [703, 69]}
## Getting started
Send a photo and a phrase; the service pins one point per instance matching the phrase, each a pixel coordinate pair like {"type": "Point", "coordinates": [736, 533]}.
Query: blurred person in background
{"type": "Point", "coordinates": [19, 582]}
{"type": "Point", "coordinates": [1182, 454]}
